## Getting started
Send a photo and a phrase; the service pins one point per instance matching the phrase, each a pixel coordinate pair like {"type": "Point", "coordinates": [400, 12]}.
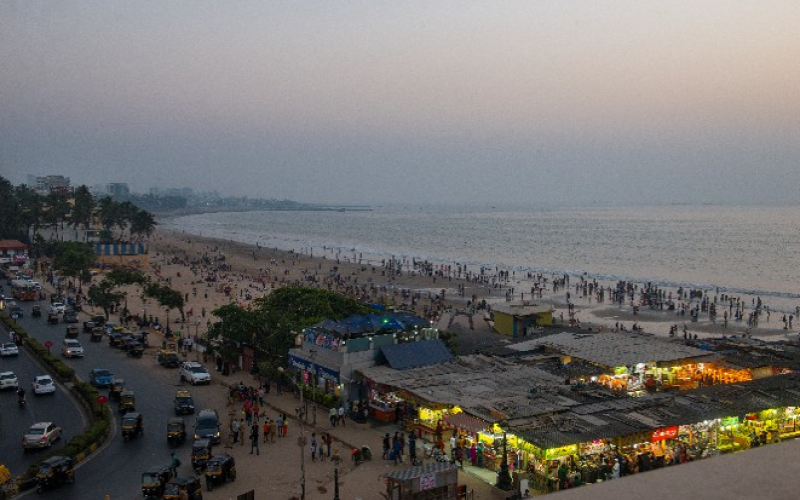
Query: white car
{"type": "Point", "coordinates": [8, 381]}
{"type": "Point", "coordinates": [194, 372]}
{"type": "Point", "coordinates": [71, 348]}
{"type": "Point", "coordinates": [41, 435]}
{"type": "Point", "coordinates": [57, 307]}
{"type": "Point", "coordinates": [9, 349]}
{"type": "Point", "coordinates": [43, 384]}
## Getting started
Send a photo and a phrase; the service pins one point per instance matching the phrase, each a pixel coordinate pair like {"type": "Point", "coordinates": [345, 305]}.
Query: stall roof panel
{"type": "Point", "coordinates": [416, 354]}
{"type": "Point", "coordinates": [415, 472]}
{"type": "Point", "coordinates": [616, 348]}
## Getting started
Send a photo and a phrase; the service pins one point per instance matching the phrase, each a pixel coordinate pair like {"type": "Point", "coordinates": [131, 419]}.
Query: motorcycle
{"type": "Point", "coordinates": [21, 401]}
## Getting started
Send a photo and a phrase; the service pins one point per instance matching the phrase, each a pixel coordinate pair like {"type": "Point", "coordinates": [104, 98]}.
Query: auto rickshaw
{"type": "Point", "coordinates": [97, 334]}
{"type": "Point", "coordinates": [127, 402]}
{"type": "Point", "coordinates": [115, 389]}
{"type": "Point", "coordinates": [131, 426]}
{"type": "Point", "coordinates": [153, 481]}
{"type": "Point", "coordinates": [72, 332]}
{"type": "Point", "coordinates": [52, 318]}
{"type": "Point", "coordinates": [36, 311]}
{"type": "Point", "coordinates": [55, 471]}
{"type": "Point", "coordinates": [168, 358]}
{"type": "Point", "coordinates": [220, 469]}
{"type": "Point", "coordinates": [115, 339]}
{"type": "Point", "coordinates": [201, 453]}
{"type": "Point", "coordinates": [183, 484]}
{"type": "Point", "coordinates": [135, 349]}
{"type": "Point", "coordinates": [176, 431]}
{"type": "Point", "coordinates": [88, 326]}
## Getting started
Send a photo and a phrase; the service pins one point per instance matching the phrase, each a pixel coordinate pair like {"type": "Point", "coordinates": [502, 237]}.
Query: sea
{"type": "Point", "coordinates": [744, 251]}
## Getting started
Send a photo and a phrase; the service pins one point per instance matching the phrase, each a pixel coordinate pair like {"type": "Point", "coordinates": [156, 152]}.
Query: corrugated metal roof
{"type": "Point", "coordinates": [613, 349]}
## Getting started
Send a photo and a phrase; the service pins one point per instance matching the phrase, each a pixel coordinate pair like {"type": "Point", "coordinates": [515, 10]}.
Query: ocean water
{"type": "Point", "coordinates": [744, 251]}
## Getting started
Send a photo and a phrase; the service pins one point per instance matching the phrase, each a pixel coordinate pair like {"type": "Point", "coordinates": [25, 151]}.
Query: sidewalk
{"type": "Point", "coordinates": [280, 479]}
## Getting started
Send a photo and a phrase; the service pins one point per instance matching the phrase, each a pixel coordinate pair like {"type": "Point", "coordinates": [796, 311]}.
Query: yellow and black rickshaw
{"type": "Point", "coordinates": [131, 426]}
{"type": "Point", "coordinates": [127, 401]}
{"type": "Point", "coordinates": [36, 311]}
{"type": "Point", "coordinates": [176, 431]}
{"type": "Point", "coordinates": [220, 469]}
{"type": "Point", "coordinates": [183, 484]}
{"type": "Point", "coordinates": [55, 471]}
{"type": "Point", "coordinates": [201, 453]}
{"type": "Point", "coordinates": [115, 389]}
{"type": "Point", "coordinates": [97, 334]}
{"type": "Point", "coordinates": [153, 481]}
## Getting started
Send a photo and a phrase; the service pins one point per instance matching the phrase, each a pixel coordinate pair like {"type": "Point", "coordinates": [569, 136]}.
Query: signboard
{"type": "Point", "coordinates": [102, 399]}
{"type": "Point", "coordinates": [427, 482]}
{"type": "Point", "coordinates": [664, 433]}
{"type": "Point", "coordinates": [48, 344]}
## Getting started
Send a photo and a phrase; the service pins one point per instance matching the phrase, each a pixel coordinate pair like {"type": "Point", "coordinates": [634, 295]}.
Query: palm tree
{"type": "Point", "coordinates": [58, 209]}
{"type": "Point", "coordinates": [82, 209]}
{"type": "Point", "coordinates": [143, 223]}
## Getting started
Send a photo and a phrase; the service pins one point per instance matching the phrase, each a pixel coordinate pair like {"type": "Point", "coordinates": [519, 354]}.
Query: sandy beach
{"type": "Point", "coordinates": [211, 273]}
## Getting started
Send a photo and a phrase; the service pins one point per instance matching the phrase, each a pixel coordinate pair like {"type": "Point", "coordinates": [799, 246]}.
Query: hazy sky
{"type": "Point", "coordinates": [377, 101]}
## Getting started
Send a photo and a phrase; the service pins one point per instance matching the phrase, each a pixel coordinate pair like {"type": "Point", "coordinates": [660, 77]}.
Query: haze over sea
{"type": "Point", "coordinates": [748, 250]}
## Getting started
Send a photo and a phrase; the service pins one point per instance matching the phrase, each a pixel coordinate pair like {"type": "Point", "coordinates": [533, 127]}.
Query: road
{"type": "Point", "coordinates": [116, 469]}
{"type": "Point", "coordinates": [14, 421]}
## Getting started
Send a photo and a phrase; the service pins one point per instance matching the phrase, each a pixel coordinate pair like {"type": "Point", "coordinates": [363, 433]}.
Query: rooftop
{"type": "Point", "coordinates": [613, 349]}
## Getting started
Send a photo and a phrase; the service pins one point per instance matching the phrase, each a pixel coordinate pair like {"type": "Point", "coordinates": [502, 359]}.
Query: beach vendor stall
{"type": "Point", "coordinates": [437, 480]}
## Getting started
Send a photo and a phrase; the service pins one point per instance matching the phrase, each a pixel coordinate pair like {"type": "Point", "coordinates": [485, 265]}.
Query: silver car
{"type": "Point", "coordinates": [8, 381]}
{"type": "Point", "coordinates": [41, 435]}
{"type": "Point", "coordinates": [71, 348]}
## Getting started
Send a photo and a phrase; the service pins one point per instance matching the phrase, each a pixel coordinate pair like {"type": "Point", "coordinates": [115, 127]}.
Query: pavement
{"type": "Point", "coordinates": [276, 472]}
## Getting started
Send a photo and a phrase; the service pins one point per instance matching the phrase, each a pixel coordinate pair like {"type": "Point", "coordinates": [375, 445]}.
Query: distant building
{"type": "Point", "coordinates": [47, 184]}
{"type": "Point", "coordinates": [118, 190]}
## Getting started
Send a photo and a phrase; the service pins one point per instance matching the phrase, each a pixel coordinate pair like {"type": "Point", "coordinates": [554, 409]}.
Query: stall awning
{"type": "Point", "coordinates": [415, 472]}
{"type": "Point", "coordinates": [466, 422]}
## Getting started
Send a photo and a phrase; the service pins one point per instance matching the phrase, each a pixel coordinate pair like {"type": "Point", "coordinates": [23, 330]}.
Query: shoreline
{"type": "Point", "coordinates": [251, 271]}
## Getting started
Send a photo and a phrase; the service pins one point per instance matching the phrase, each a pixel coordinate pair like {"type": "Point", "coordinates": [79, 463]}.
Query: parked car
{"type": "Point", "coordinates": [71, 348]}
{"type": "Point", "coordinates": [195, 373]}
{"type": "Point", "coordinates": [8, 380]}
{"type": "Point", "coordinates": [100, 377]}
{"type": "Point", "coordinates": [41, 435]}
{"type": "Point", "coordinates": [9, 349]}
{"type": "Point", "coordinates": [43, 384]}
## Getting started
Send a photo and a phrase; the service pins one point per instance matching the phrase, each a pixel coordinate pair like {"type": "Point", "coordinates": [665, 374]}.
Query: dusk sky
{"type": "Point", "coordinates": [383, 102]}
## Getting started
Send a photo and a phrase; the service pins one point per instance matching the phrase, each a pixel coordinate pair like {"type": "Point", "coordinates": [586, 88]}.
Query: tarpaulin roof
{"type": "Point", "coordinates": [415, 472]}
{"type": "Point", "coordinates": [416, 354]}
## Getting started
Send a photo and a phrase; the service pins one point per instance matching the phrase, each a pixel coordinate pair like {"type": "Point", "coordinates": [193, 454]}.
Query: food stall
{"type": "Point", "coordinates": [437, 480]}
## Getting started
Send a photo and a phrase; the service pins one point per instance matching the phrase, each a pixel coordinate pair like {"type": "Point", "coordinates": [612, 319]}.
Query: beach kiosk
{"type": "Point", "coordinates": [437, 480]}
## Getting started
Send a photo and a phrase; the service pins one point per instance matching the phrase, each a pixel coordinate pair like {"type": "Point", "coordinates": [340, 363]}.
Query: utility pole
{"type": "Point", "coordinates": [314, 382]}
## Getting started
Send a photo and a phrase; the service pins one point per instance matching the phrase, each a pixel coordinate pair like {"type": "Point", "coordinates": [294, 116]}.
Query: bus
{"type": "Point", "coordinates": [23, 290]}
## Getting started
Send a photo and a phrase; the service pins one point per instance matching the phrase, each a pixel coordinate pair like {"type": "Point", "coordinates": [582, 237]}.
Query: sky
{"type": "Point", "coordinates": [563, 102]}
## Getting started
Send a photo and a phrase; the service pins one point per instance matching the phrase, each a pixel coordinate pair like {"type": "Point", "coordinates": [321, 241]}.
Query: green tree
{"type": "Point", "coordinates": [236, 326]}
{"type": "Point", "coordinates": [82, 209]}
{"type": "Point", "coordinates": [73, 258]}
{"type": "Point", "coordinates": [58, 209]}
{"type": "Point", "coordinates": [166, 297]}
{"type": "Point", "coordinates": [143, 223]}
{"type": "Point", "coordinates": [104, 295]}
{"type": "Point", "coordinates": [31, 210]}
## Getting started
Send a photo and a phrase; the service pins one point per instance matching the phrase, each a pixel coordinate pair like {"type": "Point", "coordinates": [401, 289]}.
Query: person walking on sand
{"type": "Point", "coordinates": [279, 423]}
{"type": "Point", "coordinates": [267, 429]}
{"type": "Point", "coordinates": [341, 414]}
{"type": "Point", "coordinates": [235, 427]}
{"type": "Point", "coordinates": [313, 447]}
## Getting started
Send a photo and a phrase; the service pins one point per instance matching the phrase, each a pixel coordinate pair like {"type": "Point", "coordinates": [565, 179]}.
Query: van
{"type": "Point", "coordinates": [207, 426]}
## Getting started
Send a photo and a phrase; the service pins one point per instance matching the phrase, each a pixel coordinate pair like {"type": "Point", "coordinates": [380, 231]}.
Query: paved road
{"type": "Point", "coordinates": [117, 469]}
{"type": "Point", "coordinates": [14, 421]}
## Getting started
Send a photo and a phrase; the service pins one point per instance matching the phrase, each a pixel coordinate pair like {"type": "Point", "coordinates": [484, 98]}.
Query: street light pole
{"type": "Point", "coordinates": [336, 459]}
{"type": "Point", "coordinates": [314, 384]}
{"type": "Point", "coordinates": [301, 442]}
{"type": "Point", "coordinates": [503, 476]}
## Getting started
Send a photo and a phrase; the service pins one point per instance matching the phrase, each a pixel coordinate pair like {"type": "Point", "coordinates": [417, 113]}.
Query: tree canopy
{"type": "Point", "coordinates": [272, 323]}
